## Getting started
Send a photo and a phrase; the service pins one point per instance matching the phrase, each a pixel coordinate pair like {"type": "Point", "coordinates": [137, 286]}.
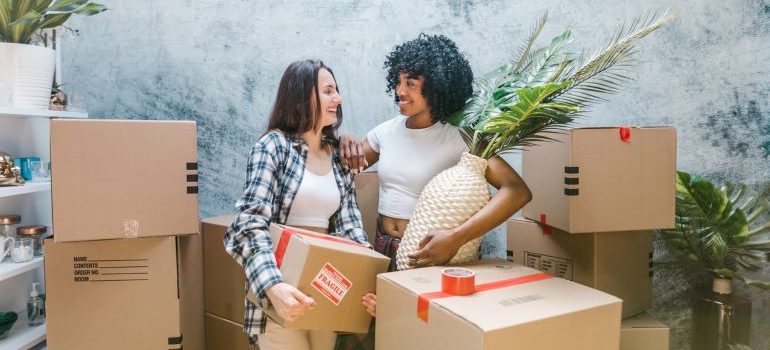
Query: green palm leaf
{"type": "Point", "coordinates": [543, 91]}
{"type": "Point", "coordinates": [606, 70]}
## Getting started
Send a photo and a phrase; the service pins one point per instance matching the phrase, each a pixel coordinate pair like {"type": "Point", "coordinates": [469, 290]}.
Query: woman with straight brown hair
{"type": "Point", "coordinates": [294, 177]}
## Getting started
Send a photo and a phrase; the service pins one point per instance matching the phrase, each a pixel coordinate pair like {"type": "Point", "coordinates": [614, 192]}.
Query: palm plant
{"type": "Point", "coordinates": [542, 91]}
{"type": "Point", "coordinates": [547, 88]}
{"type": "Point", "coordinates": [19, 19]}
{"type": "Point", "coordinates": [720, 230]}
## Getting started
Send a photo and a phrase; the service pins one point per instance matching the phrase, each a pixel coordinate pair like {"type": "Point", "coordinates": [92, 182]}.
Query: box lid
{"type": "Point", "coordinates": [642, 320]}
{"type": "Point", "coordinates": [542, 299]}
{"type": "Point", "coordinates": [222, 220]}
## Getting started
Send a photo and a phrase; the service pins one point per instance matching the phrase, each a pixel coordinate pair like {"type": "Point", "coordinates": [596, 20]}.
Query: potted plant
{"type": "Point", "coordinates": [516, 105]}
{"type": "Point", "coordinates": [720, 232]}
{"type": "Point", "coordinates": [26, 70]}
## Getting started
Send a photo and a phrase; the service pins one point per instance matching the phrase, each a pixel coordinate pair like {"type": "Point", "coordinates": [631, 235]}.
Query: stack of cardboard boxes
{"type": "Point", "coordinates": [597, 194]}
{"type": "Point", "coordinates": [122, 271]}
{"type": "Point", "coordinates": [224, 282]}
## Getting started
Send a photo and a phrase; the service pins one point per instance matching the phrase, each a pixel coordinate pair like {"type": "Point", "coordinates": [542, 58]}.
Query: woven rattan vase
{"type": "Point", "coordinates": [449, 199]}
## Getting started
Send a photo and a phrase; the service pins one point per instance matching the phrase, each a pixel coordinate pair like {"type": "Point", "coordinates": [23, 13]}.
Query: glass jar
{"type": "Point", "coordinates": [8, 224]}
{"type": "Point", "coordinates": [35, 232]}
{"type": "Point", "coordinates": [22, 250]}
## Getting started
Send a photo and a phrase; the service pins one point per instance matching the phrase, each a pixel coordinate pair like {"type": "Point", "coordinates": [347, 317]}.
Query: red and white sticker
{"type": "Point", "coordinates": [331, 283]}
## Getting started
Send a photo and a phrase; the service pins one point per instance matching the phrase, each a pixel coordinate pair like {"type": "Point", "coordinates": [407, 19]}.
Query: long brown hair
{"type": "Point", "coordinates": [296, 110]}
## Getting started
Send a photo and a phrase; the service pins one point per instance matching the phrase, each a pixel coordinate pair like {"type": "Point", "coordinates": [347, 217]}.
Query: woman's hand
{"type": "Point", "coordinates": [288, 301]}
{"type": "Point", "coordinates": [352, 153]}
{"type": "Point", "coordinates": [369, 300]}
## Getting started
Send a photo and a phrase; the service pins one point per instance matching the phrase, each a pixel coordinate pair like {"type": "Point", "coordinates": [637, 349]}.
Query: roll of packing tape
{"type": "Point", "coordinates": [458, 281]}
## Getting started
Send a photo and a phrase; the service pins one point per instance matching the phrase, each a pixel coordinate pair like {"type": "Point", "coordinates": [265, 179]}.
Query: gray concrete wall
{"type": "Point", "coordinates": [219, 61]}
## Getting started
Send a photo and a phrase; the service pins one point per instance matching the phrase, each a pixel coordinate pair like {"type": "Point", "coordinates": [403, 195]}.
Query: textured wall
{"type": "Point", "coordinates": [219, 61]}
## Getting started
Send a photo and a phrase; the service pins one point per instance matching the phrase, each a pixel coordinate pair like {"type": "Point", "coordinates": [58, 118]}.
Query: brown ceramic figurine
{"type": "Point", "coordinates": [58, 100]}
{"type": "Point", "coordinates": [10, 175]}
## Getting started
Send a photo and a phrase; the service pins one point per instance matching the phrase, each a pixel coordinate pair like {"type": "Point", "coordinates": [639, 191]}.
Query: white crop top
{"type": "Point", "coordinates": [317, 199]}
{"type": "Point", "coordinates": [409, 159]}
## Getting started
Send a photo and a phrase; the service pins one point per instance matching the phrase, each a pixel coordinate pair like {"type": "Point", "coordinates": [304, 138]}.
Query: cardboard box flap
{"type": "Point", "coordinates": [223, 220]}
{"type": "Point", "coordinates": [353, 247]}
{"type": "Point", "coordinates": [642, 321]}
{"type": "Point", "coordinates": [322, 240]}
{"type": "Point", "coordinates": [542, 299]}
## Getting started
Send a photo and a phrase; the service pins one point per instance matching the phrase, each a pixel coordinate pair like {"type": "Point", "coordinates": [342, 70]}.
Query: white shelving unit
{"type": "Point", "coordinates": [10, 269]}
{"type": "Point", "coordinates": [29, 187]}
{"type": "Point", "coordinates": [25, 132]}
{"type": "Point", "coordinates": [39, 113]}
{"type": "Point", "coordinates": [22, 335]}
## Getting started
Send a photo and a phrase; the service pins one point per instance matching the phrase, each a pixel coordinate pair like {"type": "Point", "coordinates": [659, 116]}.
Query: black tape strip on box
{"type": "Point", "coordinates": [175, 340]}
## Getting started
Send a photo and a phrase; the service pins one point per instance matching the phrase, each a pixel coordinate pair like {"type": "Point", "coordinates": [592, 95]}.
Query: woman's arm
{"type": "Point", "coordinates": [247, 239]}
{"type": "Point", "coordinates": [438, 247]}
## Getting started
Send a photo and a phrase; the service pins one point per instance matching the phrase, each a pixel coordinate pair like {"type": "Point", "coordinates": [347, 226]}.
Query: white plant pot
{"type": "Point", "coordinates": [26, 75]}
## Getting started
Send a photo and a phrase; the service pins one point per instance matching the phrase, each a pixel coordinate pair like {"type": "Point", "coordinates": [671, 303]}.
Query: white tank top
{"type": "Point", "coordinates": [317, 199]}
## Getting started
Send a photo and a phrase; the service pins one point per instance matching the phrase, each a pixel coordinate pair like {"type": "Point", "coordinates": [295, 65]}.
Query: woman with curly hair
{"type": "Point", "coordinates": [430, 80]}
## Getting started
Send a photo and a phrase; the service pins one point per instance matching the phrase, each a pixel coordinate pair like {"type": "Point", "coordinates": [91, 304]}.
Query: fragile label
{"type": "Point", "coordinates": [555, 266]}
{"type": "Point", "coordinates": [331, 283]}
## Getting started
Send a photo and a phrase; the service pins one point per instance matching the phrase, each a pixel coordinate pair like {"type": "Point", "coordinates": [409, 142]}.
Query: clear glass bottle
{"type": "Point", "coordinates": [8, 224]}
{"type": "Point", "coordinates": [35, 307]}
{"type": "Point", "coordinates": [37, 233]}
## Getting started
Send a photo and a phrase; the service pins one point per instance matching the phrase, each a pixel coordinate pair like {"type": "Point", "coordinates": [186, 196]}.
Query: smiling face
{"type": "Point", "coordinates": [330, 99]}
{"type": "Point", "coordinates": [411, 102]}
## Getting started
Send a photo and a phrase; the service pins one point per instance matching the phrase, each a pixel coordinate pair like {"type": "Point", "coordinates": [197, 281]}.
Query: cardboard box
{"type": "Point", "coordinates": [123, 294]}
{"type": "Point", "coordinates": [545, 313]}
{"type": "Point", "coordinates": [123, 179]}
{"type": "Point", "coordinates": [222, 334]}
{"type": "Point", "coordinates": [590, 180]}
{"type": "Point", "coordinates": [333, 271]}
{"type": "Point", "coordinates": [643, 332]}
{"type": "Point", "coordinates": [225, 280]}
{"type": "Point", "coordinates": [368, 195]}
{"type": "Point", "coordinates": [614, 262]}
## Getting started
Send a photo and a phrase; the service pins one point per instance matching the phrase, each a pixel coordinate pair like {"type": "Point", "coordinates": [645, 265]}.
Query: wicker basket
{"type": "Point", "coordinates": [449, 199]}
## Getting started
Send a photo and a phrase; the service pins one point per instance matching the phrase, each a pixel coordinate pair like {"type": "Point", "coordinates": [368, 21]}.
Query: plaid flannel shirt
{"type": "Point", "coordinates": [274, 172]}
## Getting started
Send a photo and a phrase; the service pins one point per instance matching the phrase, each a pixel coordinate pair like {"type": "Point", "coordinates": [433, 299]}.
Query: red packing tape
{"type": "Point", "coordinates": [424, 299]}
{"type": "Point", "coordinates": [283, 241]}
{"type": "Point", "coordinates": [625, 134]}
{"type": "Point", "coordinates": [544, 226]}
{"type": "Point", "coordinates": [458, 281]}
